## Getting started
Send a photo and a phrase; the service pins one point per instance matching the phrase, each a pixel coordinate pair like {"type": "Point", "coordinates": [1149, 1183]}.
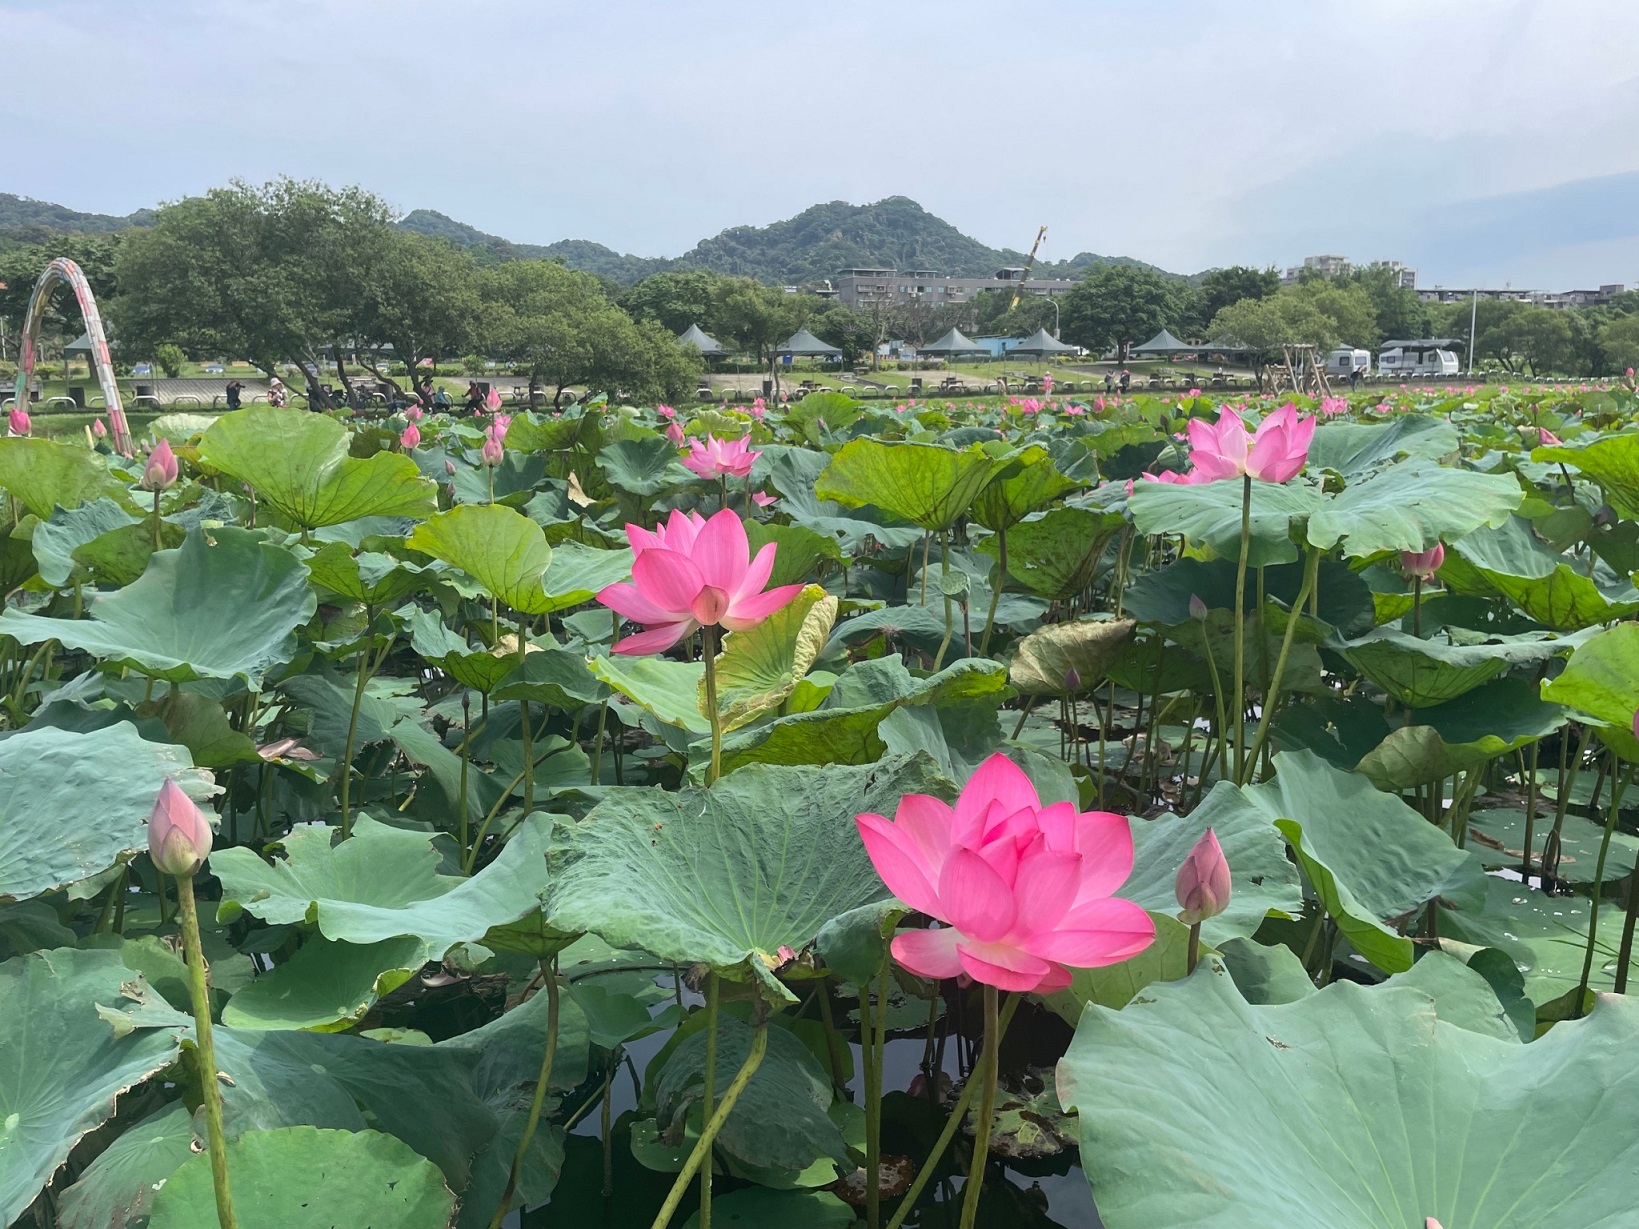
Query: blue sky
{"type": "Point", "coordinates": [1481, 140]}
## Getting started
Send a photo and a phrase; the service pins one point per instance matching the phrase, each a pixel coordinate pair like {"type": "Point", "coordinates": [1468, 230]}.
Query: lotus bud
{"type": "Point", "coordinates": [492, 401]}
{"type": "Point", "coordinates": [1197, 608]}
{"type": "Point", "coordinates": [411, 437]}
{"type": "Point", "coordinates": [1430, 1223]}
{"type": "Point", "coordinates": [492, 452]}
{"type": "Point", "coordinates": [1203, 881]}
{"type": "Point", "coordinates": [161, 470]}
{"type": "Point", "coordinates": [1072, 679]}
{"type": "Point", "coordinates": [1604, 516]}
{"type": "Point", "coordinates": [413, 413]}
{"type": "Point", "coordinates": [18, 422]}
{"type": "Point", "coordinates": [97, 428]}
{"type": "Point", "coordinates": [1422, 565]}
{"type": "Point", "coordinates": [675, 434]}
{"type": "Point", "coordinates": [449, 467]}
{"type": "Point", "coordinates": [179, 835]}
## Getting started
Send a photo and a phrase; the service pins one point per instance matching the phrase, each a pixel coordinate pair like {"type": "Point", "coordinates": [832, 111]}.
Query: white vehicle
{"type": "Point", "coordinates": [1346, 360]}
{"type": "Point", "coordinates": [1427, 357]}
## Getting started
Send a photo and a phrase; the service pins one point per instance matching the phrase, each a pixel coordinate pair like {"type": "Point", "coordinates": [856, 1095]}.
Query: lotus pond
{"type": "Point", "coordinates": [1212, 813]}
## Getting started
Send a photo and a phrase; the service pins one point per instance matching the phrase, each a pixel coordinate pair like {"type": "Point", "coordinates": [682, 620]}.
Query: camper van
{"type": "Point", "coordinates": [1346, 361]}
{"type": "Point", "coordinates": [1425, 357]}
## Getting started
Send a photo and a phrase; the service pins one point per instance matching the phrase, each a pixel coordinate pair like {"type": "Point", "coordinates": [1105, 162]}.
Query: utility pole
{"type": "Point", "coordinates": [1473, 315]}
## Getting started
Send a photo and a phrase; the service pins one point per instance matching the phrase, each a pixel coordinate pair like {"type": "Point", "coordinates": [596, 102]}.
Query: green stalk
{"type": "Point", "coordinates": [346, 765]}
{"type": "Point", "coordinates": [523, 708]}
{"type": "Point", "coordinates": [1530, 813]}
{"type": "Point", "coordinates": [944, 572]}
{"type": "Point", "coordinates": [952, 1125]}
{"type": "Point", "coordinates": [709, 1096]}
{"type": "Point", "coordinates": [708, 1136]}
{"type": "Point", "coordinates": [872, 1038]}
{"type": "Point", "coordinates": [987, 1108]}
{"type": "Point", "coordinates": [708, 643]}
{"type": "Point", "coordinates": [1272, 695]}
{"type": "Point", "coordinates": [210, 1091]}
{"type": "Point", "coordinates": [156, 521]}
{"type": "Point", "coordinates": [1618, 788]}
{"type": "Point", "coordinates": [1239, 694]}
{"type": "Point", "coordinates": [995, 593]}
{"type": "Point", "coordinates": [1194, 956]}
{"type": "Point", "coordinates": [550, 969]}
{"type": "Point", "coordinates": [466, 738]}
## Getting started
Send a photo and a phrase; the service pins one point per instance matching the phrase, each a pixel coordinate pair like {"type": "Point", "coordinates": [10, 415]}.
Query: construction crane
{"type": "Point", "coordinates": [1030, 262]}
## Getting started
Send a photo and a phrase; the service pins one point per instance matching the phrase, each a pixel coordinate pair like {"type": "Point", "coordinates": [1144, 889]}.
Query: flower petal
{"type": "Point", "coordinates": [756, 577]}
{"type": "Point", "coordinates": [997, 964]}
{"type": "Point", "coordinates": [901, 862]}
{"type": "Point", "coordinates": [1105, 842]}
{"type": "Point", "coordinates": [928, 953]}
{"type": "Point", "coordinates": [1044, 889]}
{"type": "Point", "coordinates": [974, 898]}
{"type": "Point", "coordinates": [655, 639]}
{"type": "Point", "coordinates": [721, 551]}
{"type": "Point", "coordinates": [750, 611]}
{"type": "Point", "coordinates": [926, 821]}
{"type": "Point", "coordinates": [668, 579]}
{"type": "Point", "coordinates": [625, 600]}
{"type": "Point", "coordinates": [997, 780]}
{"type": "Point", "coordinates": [1090, 936]}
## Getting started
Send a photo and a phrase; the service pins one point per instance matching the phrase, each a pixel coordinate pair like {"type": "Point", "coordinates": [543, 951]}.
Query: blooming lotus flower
{"type": "Point", "coordinates": [763, 499]}
{"type": "Point", "coordinates": [161, 470]}
{"type": "Point", "coordinates": [492, 452]}
{"type": "Point", "coordinates": [17, 422]}
{"type": "Point", "coordinates": [1423, 564]}
{"type": "Point", "coordinates": [665, 411]}
{"type": "Point", "coordinates": [492, 400]}
{"type": "Point", "coordinates": [717, 458]}
{"type": "Point", "coordinates": [693, 573]}
{"type": "Point", "coordinates": [1023, 891]}
{"type": "Point", "coordinates": [1330, 406]}
{"type": "Point", "coordinates": [412, 413]}
{"type": "Point", "coordinates": [179, 835]}
{"type": "Point", "coordinates": [410, 437]}
{"type": "Point", "coordinates": [1203, 881]}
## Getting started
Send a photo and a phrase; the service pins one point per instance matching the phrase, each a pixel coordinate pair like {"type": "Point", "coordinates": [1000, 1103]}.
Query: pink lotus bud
{"type": "Point", "coordinates": [411, 437]}
{"type": "Point", "coordinates": [492, 401]}
{"type": "Point", "coordinates": [1422, 565]}
{"type": "Point", "coordinates": [1072, 679]}
{"type": "Point", "coordinates": [1203, 881]}
{"type": "Point", "coordinates": [179, 835]}
{"type": "Point", "coordinates": [497, 431]}
{"type": "Point", "coordinates": [97, 428]}
{"type": "Point", "coordinates": [492, 452]}
{"type": "Point", "coordinates": [1430, 1223]}
{"type": "Point", "coordinates": [674, 433]}
{"type": "Point", "coordinates": [18, 422]}
{"type": "Point", "coordinates": [449, 467]}
{"type": "Point", "coordinates": [1197, 608]}
{"type": "Point", "coordinates": [413, 413]}
{"type": "Point", "coordinates": [161, 470]}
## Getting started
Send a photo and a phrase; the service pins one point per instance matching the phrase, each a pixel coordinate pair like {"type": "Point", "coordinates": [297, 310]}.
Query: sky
{"type": "Point", "coordinates": [1482, 141]}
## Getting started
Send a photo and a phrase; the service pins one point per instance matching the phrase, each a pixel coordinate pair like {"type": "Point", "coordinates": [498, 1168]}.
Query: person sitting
{"type": "Point", "coordinates": [475, 399]}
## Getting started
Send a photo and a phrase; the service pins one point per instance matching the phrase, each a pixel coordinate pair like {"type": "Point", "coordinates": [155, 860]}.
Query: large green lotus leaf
{"type": "Point", "coordinates": [72, 804]}
{"type": "Point", "coordinates": [300, 465]}
{"type": "Point", "coordinates": [17, 564]}
{"type": "Point", "coordinates": [668, 689]}
{"type": "Point", "coordinates": [1539, 580]}
{"type": "Point", "coordinates": [477, 668]}
{"type": "Point", "coordinates": [224, 605]}
{"type": "Point", "coordinates": [1009, 499]}
{"type": "Point", "coordinates": [1371, 859]}
{"type": "Point", "coordinates": [1613, 462]}
{"type": "Point", "coordinates": [1496, 719]}
{"type": "Point", "coordinates": [579, 571]}
{"type": "Point", "coordinates": [1264, 973]}
{"type": "Point", "coordinates": [325, 985]}
{"type": "Point", "coordinates": [1355, 448]}
{"type": "Point", "coordinates": [642, 467]}
{"type": "Point", "coordinates": [503, 550]}
{"type": "Point", "coordinates": [513, 482]}
{"type": "Point", "coordinates": [1413, 506]}
{"type": "Point", "coordinates": [382, 883]}
{"type": "Point", "coordinates": [1116, 985]}
{"type": "Point", "coordinates": [1352, 1108]}
{"type": "Point", "coordinates": [368, 576]}
{"type": "Point", "coordinates": [306, 1178]}
{"type": "Point", "coordinates": [1264, 882]}
{"type": "Point", "coordinates": [118, 557]}
{"type": "Point", "coordinates": [797, 550]}
{"type": "Point", "coordinates": [118, 1187]}
{"type": "Point", "coordinates": [1163, 597]}
{"type": "Point", "coordinates": [197, 722]}
{"type": "Point", "coordinates": [44, 475]}
{"type": "Point", "coordinates": [1210, 512]}
{"type": "Point", "coordinates": [1497, 836]}
{"type": "Point", "coordinates": [779, 1121]}
{"type": "Point", "coordinates": [1422, 673]}
{"type": "Point", "coordinates": [1057, 555]}
{"type": "Point", "coordinates": [926, 484]}
{"type": "Point", "coordinates": [761, 666]}
{"type": "Point", "coordinates": [56, 540]}
{"type": "Point", "coordinates": [62, 1066]}
{"type": "Point", "coordinates": [1043, 661]}
{"type": "Point", "coordinates": [728, 875]}
{"type": "Point", "coordinates": [552, 676]}
{"type": "Point", "coordinates": [1602, 680]}
{"type": "Point", "coordinates": [758, 1207]}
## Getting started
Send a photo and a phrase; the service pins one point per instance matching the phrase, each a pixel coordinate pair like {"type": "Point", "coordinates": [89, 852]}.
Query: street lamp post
{"type": "Point", "coordinates": [1055, 304]}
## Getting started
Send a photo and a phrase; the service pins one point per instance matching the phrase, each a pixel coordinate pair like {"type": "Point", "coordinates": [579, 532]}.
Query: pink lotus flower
{"type": "Point", "coordinates": [492, 400]}
{"type": "Point", "coordinates": [98, 428]}
{"type": "Point", "coordinates": [1203, 880]}
{"type": "Point", "coordinates": [665, 411]}
{"type": "Point", "coordinates": [1332, 406]}
{"type": "Point", "coordinates": [1275, 454]}
{"type": "Point", "coordinates": [161, 470]}
{"type": "Point", "coordinates": [412, 413]}
{"type": "Point", "coordinates": [1423, 564]}
{"type": "Point", "coordinates": [763, 499]}
{"type": "Point", "coordinates": [492, 453]}
{"type": "Point", "coordinates": [1546, 437]}
{"type": "Point", "coordinates": [179, 835]}
{"type": "Point", "coordinates": [717, 458]}
{"type": "Point", "coordinates": [1172, 477]}
{"type": "Point", "coordinates": [410, 437]}
{"type": "Point", "coordinates": [693, 573]}
{"type": "Point", "coordinates": [501, 423]}
{"type": "Point", "coordinates": [1023, 890]}
{"type": "Point", "coordinates": [17, 422]}
{"type": "Point", "coordinates": [674, 432]}
{"type": "Point", "coordinates": [449, 467]}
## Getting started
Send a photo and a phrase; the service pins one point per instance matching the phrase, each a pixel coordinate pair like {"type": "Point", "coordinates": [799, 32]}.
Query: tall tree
{"type": "Point", "coordinates": [676, 299]}
{"type": "Point", "coordinates": [759, 318]}
{"type": "Point", "coordinates": [1265, 326]}
{"type": "Point", "coordinates": [423, 301]}
{"type": "Point", "coordinates": [1218, 288]}
{"type": "Point", "coordinates": [1120, 306]}
{"type": "Point", "coordinates": [852, 332]}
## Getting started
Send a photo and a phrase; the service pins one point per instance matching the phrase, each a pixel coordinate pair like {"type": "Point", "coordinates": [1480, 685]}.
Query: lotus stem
{"type": "Point", "coordinates": [1272, 695]}
{"type": "Point", "coordinates": [1530, 813]}
{"type": "Point", "coordinates": [346, 765]}
{"type": "Point", "coordinates": [708, 1136]}
{"type": "Point", "coordinates": [708, 644]}
{"type": "Point", "coordinates": [1194, 956]}
{"type": "Point", "coordinates": [156, 521]}
{"type": "Point", "coordinates": [523, 709]}
{"type": "Point", "coordinates": [872, 1039]}
{"type": "Point", "coordinates": [987, 1108]}
{"type": "Point", "coordinates": [996, 592]}
{"type": "Point", "coordinates": [1618, 788]}
{"type": "Point", "coordinates": [1417, 606]}
{"type": "Point", "coordinates": [944, 571]}
{"type": "Point", "coordinates": [210, 1091]}
{"type": "Point", "coordinates": [709, 1096]}
{"type": "Point", "coordinates": [1239, 693]}
{"type": "Point", "coordinates": [550, 969]}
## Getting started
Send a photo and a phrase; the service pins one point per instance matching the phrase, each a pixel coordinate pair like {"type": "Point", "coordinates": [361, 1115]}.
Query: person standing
{"type": "Point", "coordinates": [1109, 383]}
{"type": "Point", "coordinates": [235, 391]}
{"type": "Point", "coordinates": [475, 399]}
{"type": "Point", "coordinates": [276, 393]}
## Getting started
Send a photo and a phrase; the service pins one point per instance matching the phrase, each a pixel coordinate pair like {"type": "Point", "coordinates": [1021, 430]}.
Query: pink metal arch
{"type": "Point", "coordinates": [66, 271]}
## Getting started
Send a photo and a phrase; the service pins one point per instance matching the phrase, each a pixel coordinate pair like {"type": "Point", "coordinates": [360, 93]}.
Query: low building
{"type": "Point", "coordinates": [865, 288]}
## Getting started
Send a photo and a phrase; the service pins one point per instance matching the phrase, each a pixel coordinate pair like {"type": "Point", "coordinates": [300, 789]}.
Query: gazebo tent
{"type": "Point", "coordinates": [701, 341]}
{"type": "Point", "coordinates": [803, 344]}
{"type": "Point", "coordinates": [81, 348]}
{"type": "Point", "coordinates": [953, 344]}
{"type": "Point", "coordinates": [1165, 343]}
{"type": "Point", "coordinates": [1040, 344]}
